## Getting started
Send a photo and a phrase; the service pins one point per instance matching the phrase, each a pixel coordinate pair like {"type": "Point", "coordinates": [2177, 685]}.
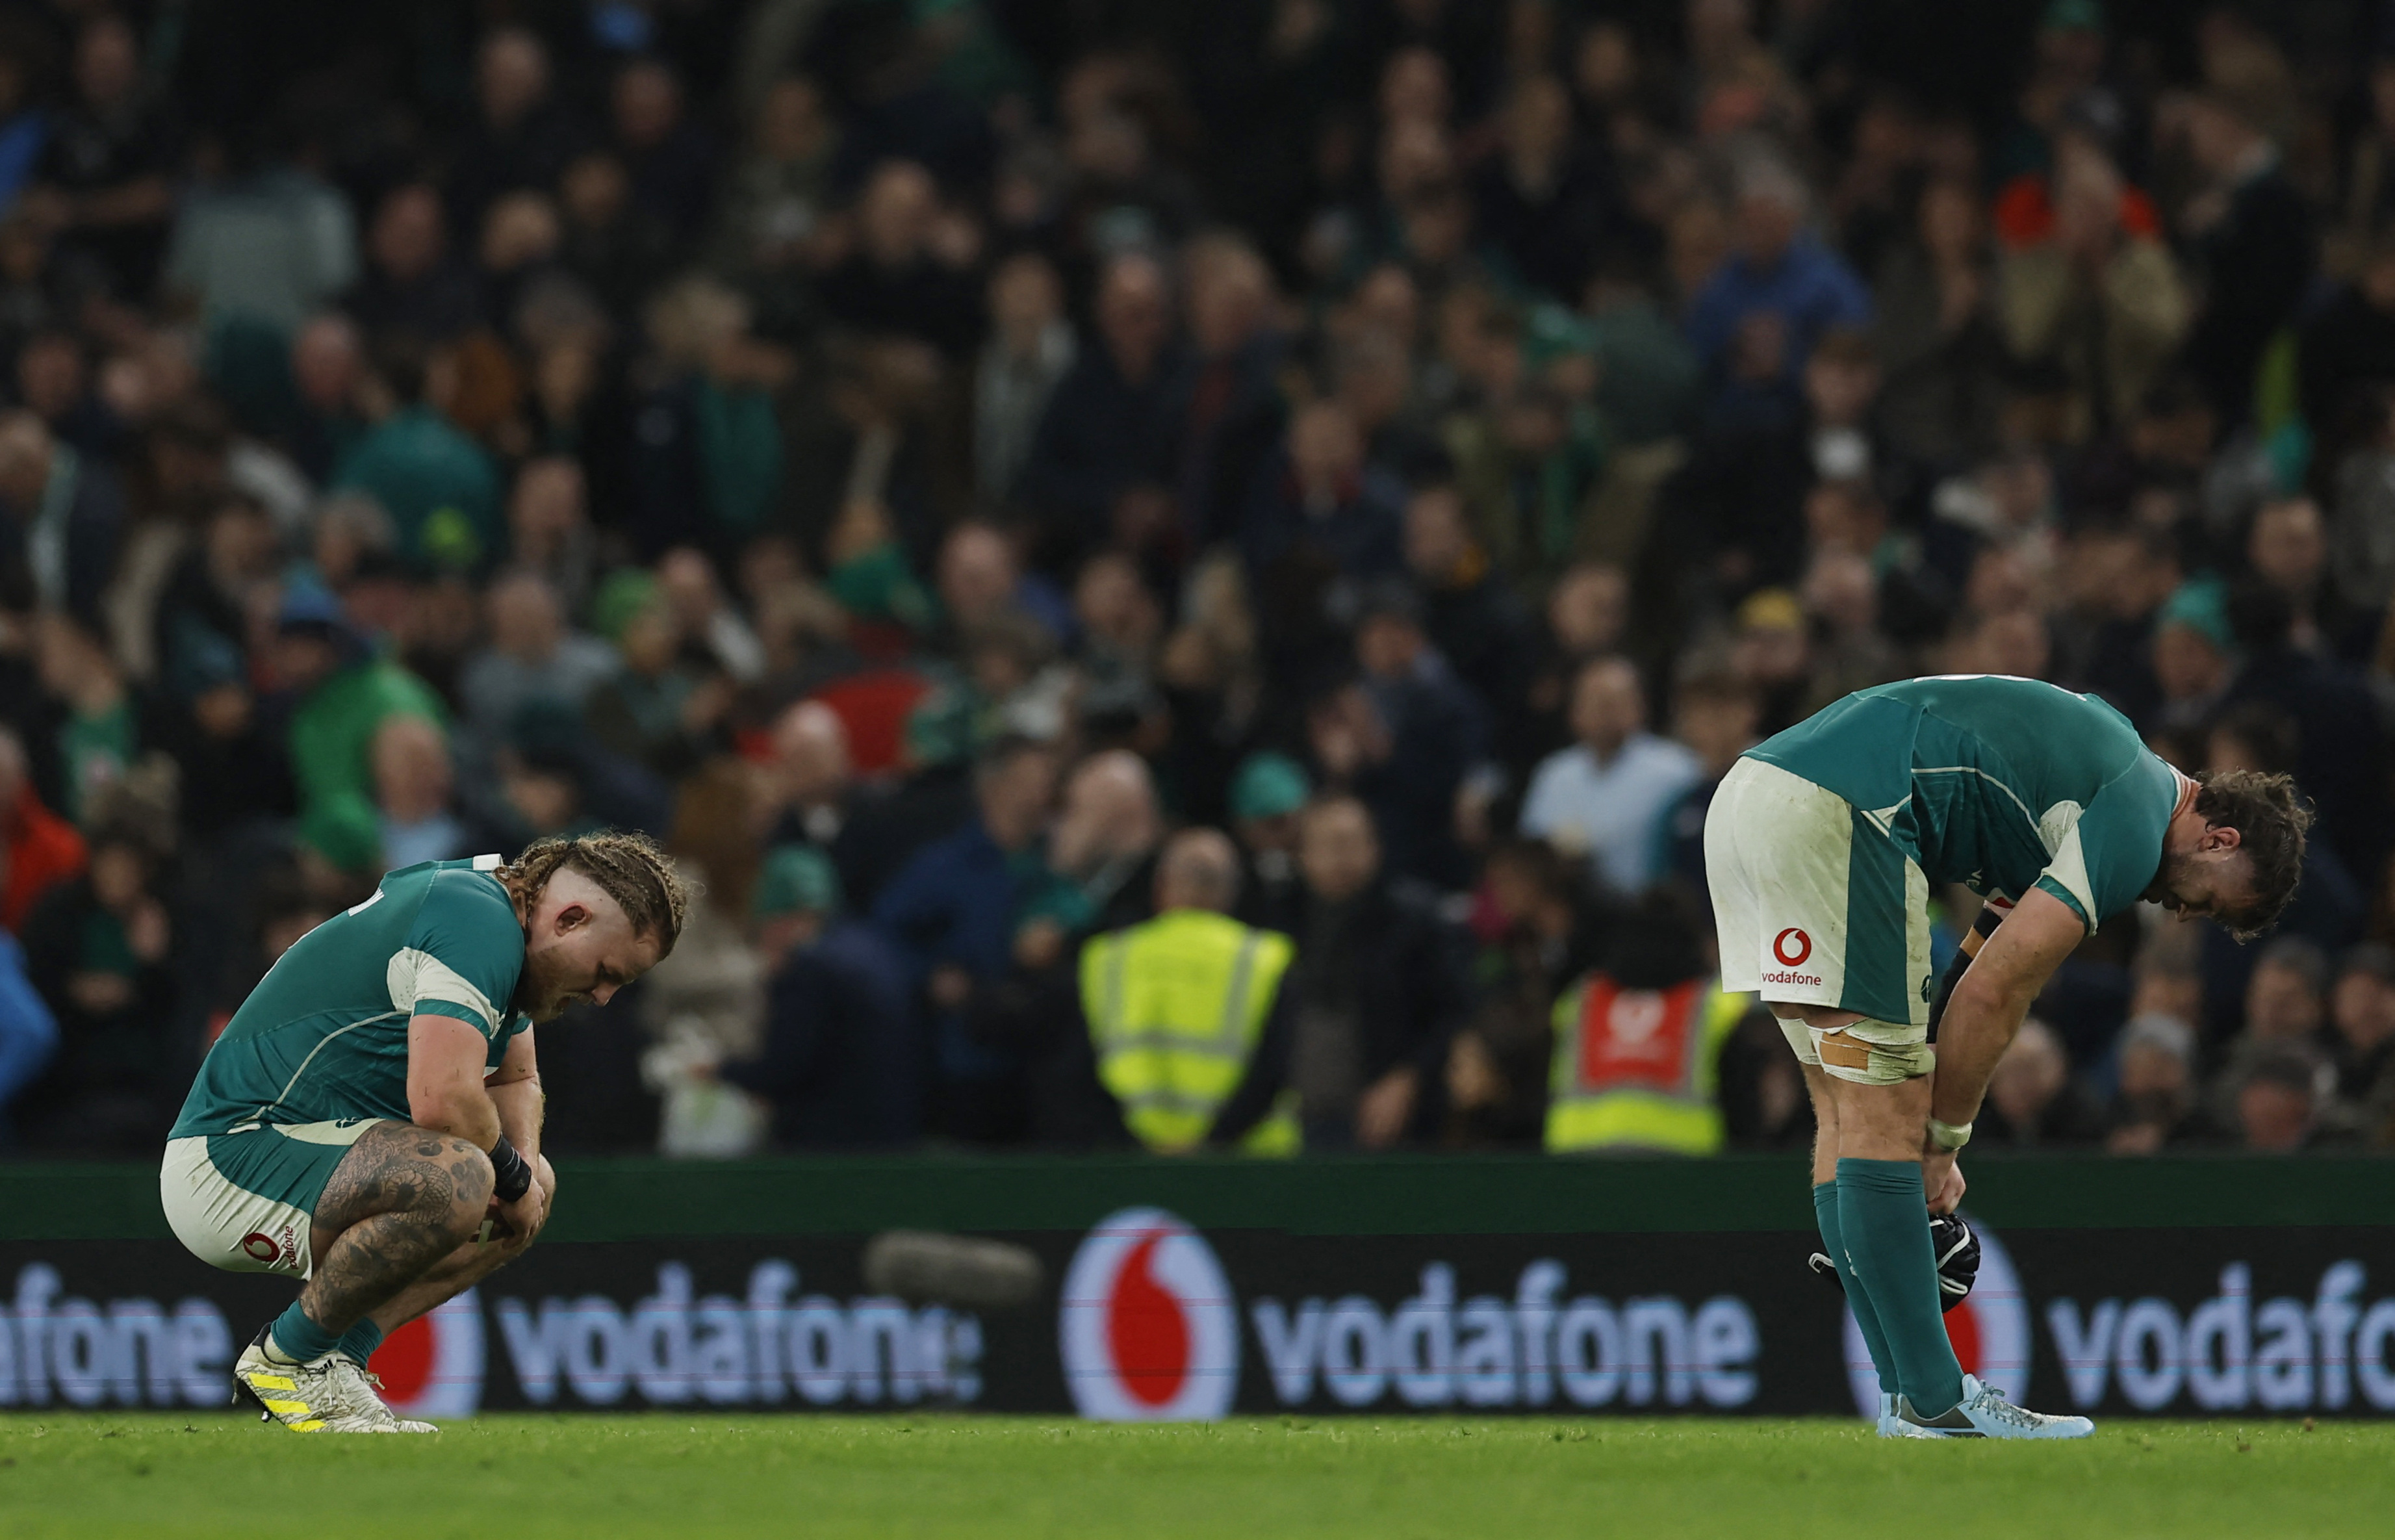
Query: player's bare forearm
{"type": "Point", "coordinates": [514, 1087]}
{"type": "Point", "coordinates": [444, 1081]}
{"type": "Point", "coordinates": [1993, 996]}
{"type": "Point", "coordinates": [520, 1105]}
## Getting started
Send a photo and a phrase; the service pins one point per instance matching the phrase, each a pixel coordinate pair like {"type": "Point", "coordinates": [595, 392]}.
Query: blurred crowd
{"type": "Point", "coordinates": [917, 456]}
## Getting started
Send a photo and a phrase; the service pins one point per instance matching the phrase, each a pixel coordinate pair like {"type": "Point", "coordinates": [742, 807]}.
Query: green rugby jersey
{"type": "Point", "coordinates": [1999, 784]}
{"type": "Point", "coordinates": [325, 1034]}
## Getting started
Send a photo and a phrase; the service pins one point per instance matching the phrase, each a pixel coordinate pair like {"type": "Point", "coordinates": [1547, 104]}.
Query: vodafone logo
{"type": "Point", "coordinates": [1792, 947]}
{"type": "Point", "coordinates": [1990, 1330]}
{"type": "Point", "coordinates": [1147, 1329]}
{"type": "Point", "coordinates": [262, 1248]}
{"type": "Point", "coordinates": [433, 1366]}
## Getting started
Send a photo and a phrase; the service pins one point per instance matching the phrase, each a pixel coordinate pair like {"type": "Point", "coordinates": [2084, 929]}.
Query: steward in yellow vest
{"type": "Point", "coordinates": [1637, 1070]}
{"type": "Point", "coordinates": [1184, 1012]}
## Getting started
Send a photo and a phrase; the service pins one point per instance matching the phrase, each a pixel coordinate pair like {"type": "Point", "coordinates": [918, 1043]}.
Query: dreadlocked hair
{"type": "Point", "coordinates": [630, 869]}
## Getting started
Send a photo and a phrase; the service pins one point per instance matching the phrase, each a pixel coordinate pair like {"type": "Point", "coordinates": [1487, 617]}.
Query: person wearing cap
{"type": "Point", "coordinates": [2194, 654]}
{"type": "Point", "coordinates": [1268, 793]}
{"type": "Point", "coordinates": [341, 695]}
{"type": "Point", "coordinates": [838, 1065]}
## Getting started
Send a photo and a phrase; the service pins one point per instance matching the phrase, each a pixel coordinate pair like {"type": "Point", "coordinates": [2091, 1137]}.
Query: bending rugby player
{"type": "Point", "coordinates": [1822, 846]}
{"type": "Point", "coordinates": [370, 1119]}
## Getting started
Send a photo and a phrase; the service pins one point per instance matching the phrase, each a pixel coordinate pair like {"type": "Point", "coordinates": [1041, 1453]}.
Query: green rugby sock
{"type": "Point", "coordinates": [360, 1341]}
{"type": "Point", "coordinates": [1825, 1210]}
{"type": "Point", "coordinates": [295, 1337]}
{"type": "Point", "coordinates": [1885, 1223]}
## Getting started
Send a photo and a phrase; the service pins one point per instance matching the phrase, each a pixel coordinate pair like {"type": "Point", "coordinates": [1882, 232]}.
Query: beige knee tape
{"type": "Point", "coordinates": [1874, 1053]}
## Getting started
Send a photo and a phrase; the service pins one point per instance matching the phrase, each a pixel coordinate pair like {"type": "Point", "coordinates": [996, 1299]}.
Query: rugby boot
{"type": "Point", "coordinates": [1984, 1413]}
{"type": "Point", "coordinates": [327, 1395]}
{"type": "Point", "coordinates": [1890, 1425]}
{"type": "Point", "coordinates": [365, 1389]}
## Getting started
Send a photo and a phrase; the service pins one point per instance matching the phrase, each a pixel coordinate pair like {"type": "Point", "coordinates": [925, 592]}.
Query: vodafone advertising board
{"type": "Point", "coordinates": [1148, 1317]}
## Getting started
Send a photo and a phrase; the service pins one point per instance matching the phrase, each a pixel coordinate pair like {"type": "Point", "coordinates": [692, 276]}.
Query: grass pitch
{"type": "Point", "coordinates": [592, 1477]}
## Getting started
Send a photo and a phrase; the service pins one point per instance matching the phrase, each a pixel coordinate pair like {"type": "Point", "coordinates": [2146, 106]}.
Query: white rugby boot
{"type": "Point", "coordinates": [364, 1390]}
{"type": "Point", "coordinates": [327, 1395]}
{"type": "Point", "coordinates": [1984, 1413]}
{"type": "Point", "coordinates": [1890, 1425]}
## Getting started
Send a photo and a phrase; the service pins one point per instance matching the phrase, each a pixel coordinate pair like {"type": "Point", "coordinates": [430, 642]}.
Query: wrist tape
{"type": "Point", "coordinates": [510, 1173]}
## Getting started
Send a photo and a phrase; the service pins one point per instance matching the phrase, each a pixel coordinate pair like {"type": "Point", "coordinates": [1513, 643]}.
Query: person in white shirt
{"type": "Point", "coordinates": [1603, 797]}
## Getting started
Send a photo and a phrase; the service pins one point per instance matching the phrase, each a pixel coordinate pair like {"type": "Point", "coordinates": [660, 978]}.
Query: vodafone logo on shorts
{"type": "Point", "coordinates": [433, 1366]}
{"type": "Point", "coordinates": [1990, 1330]}
{"type": "Point", "coordinates": [1147, 1329]}
{"type": "Point", "coordinates": [1792, 947]}
{"type": "Point", "coordinates": [279, 1252]}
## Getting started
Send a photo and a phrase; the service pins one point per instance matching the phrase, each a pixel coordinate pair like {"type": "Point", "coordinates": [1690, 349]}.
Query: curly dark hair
{"type": "Point", "coordinates": [631, 868]}
{"type": "Point", "coordinates": [2270, 819]}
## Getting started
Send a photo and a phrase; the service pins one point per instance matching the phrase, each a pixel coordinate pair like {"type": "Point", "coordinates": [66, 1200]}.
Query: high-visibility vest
{"type": "Point", "coordinates": [1176, 1006]}
{"type": "Point", "coordinates": [1636, 1068]}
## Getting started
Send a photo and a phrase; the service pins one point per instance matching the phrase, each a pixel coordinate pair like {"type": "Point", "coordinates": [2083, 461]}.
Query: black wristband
{"type": "Point", "coordinates": [510, 1173]}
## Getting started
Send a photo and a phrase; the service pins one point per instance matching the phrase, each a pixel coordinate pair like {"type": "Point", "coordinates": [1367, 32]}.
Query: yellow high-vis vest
{"type": "Point", "coordinates": [1176, 1006]}
{"type": "Point", "coordinates": [1635, 1069]}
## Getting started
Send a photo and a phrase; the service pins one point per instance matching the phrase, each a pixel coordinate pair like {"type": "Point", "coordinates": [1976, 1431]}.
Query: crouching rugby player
{"type": "Point", "coordinates": [1822, 847]}
{"type": "Point", "coordinates": [370, 1119]}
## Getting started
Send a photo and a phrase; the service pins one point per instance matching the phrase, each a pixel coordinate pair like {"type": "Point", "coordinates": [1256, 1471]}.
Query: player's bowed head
{"type": "Point", "coordinates": [598, 912]}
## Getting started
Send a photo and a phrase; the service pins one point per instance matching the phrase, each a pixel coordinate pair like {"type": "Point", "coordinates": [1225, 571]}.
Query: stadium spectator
{"type": "Point", "coordinates": [1106, 442]}
{"type": "Point", "coordinates": [2252, 233]}
{"type": "Point", "coordinates": [1266, 795]}
{"type": "Point", "coordinates": [415, 786]}
{"type": "Point", "coordinates": [1357, 406]}
{"type": "Point", "coordinates": [1376, 992]}
{"type": "Point", "coordinates": [62, 518]}
{"type": "Point", "coordinates": [436, 486]}
{"type": "Point", "coordinates": [951, 912]}
{"type": "Point", "coordinates": [1188, 1015]}
{"type": "Point", "coordinates": [2033, 1102]}
{"type": "Point", "coordinates": [1757, 322]}
{"type": "Point", "coordinates": [1539, 933]}
{"type": "Point", "coordinates": [97, 947]}
{"type": "Point", "coordinates": [2361, 1011]}
{"type": "Point", "coordinates": [839, 1062]}
{"type": "Point", "coordinates": [2279, 1101]}
{"type": "Point", "coordinates": [42, 849]}
{"type": "Point", "coordinates": [1638, 1043]}
{"type": "Point", "coordinates": [29, 1035]}
{"type": "Point", "coordinates": [2155, 1104]}
{"type": "Point", "coordinates": [1604, 798]}
{"type": "Point", "coordinates": [1030, 351]}
{"type": "Point", "coordinates": [336, 698]}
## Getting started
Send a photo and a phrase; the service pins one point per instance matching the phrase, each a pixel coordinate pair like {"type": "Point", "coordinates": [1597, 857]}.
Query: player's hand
{"type": "Point", "coordinates": [1941, 1178]}
{"type": "Point", "coordinates": [521, 1221]}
